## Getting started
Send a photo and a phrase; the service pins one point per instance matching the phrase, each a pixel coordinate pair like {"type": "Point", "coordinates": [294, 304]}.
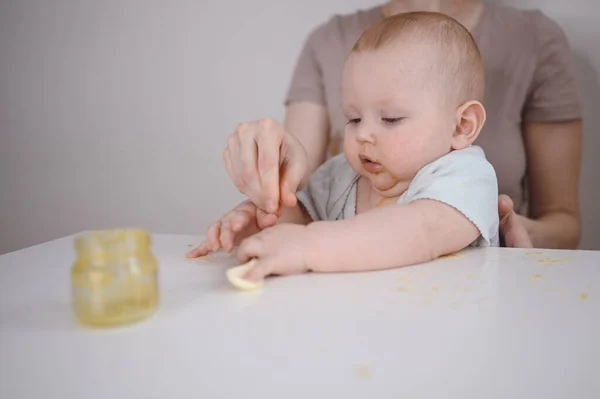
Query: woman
{"type": "Point", "coordinates": [532, 135]}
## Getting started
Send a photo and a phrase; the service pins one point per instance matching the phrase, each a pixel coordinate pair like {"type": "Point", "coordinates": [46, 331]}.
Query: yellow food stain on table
{"type": "Point", "coordinates": [363, 372]}
{"type": "Point", "coordinates": [536, 277]}
{"type": "Point", "coordinates": [403, 289]}
{"type": "Point", "coordinates": [426, 302]}
{"type": "Point", "coordinates": [190, 245]}
{"type": "Point", "coordinates": [403, 277]}
{"type": "Point", "coordinates": [584, 296]}
{"type": "Point", "coordinates": [550, 260]}
{"type": "Point", "coordinates": [553, 288]}
{"type": "Point", "coordinates": [435, 288]}
{"type": "Point", "coordinates": [534, 253]}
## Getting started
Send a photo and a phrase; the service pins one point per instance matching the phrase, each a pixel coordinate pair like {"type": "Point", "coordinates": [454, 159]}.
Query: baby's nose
{"type": "Point", "coordinates": [365, 134]}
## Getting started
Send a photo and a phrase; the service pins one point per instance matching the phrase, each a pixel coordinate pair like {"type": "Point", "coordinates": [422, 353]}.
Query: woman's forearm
{"type": "Point", "coordinates": [555, 230]}
{"type": "Point", "coordinates": [309, 123]}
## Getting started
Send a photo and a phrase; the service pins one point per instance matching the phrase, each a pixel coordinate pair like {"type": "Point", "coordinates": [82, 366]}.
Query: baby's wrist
{"type": "Point", "coordinates": [315, 246]}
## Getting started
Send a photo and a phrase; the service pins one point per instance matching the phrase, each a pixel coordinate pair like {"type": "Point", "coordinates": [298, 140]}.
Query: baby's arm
{"type": "Point", "coordinates": [387, 237]}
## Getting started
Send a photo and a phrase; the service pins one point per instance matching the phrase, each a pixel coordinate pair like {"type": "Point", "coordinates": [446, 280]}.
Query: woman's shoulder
{"type": "Point", "coordinates": [345, 27]}
{"type": "Point", "coordinates": [524, 23]}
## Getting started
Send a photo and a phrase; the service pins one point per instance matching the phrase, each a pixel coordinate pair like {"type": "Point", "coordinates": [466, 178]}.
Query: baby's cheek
{"type": "Point", "coordinates": [350, 147]}
{"type": "Point", "coordinates": [402, 157]}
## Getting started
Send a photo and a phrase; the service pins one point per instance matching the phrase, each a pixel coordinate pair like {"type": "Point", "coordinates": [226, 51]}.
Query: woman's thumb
{"type": "Point", "coordinates": [505, 208]}
{"type": "Point", "coordinates": [290, 182]}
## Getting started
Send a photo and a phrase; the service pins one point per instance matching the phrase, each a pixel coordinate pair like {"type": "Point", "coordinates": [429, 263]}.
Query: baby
{"type": "Point", "coordinates": [410, 185]}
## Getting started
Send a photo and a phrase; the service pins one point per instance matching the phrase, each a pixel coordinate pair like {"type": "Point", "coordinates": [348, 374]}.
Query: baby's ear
{"type": "Point", "coordinates": [470, 118]}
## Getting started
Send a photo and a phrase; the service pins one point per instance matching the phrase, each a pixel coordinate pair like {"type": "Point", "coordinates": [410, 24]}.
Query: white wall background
{"type": "Point", "coordinates": [116, 112]}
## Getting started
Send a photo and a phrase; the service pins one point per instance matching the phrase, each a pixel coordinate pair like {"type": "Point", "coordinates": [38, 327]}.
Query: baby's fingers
{"type": "Point", "coordinates": [212, 236]}
{"type": "Point", "coordinates": [259, 271]}
{"type": "Point", "coordinates": [264, 219]}
{"type": "Point", "coordinates": [201, 250]}
{"type": "Point", "coordinates": [211, 244]}
{"type": "Point", "coordinates": [227, 235]}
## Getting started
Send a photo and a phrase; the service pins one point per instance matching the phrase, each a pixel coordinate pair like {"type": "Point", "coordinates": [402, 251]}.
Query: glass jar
{"type": "Point", "coordinates": [114, 278]}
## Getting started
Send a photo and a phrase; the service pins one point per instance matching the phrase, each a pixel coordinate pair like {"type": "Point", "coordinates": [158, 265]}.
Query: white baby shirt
{"type": "Point", "coordinates": [463, 179]}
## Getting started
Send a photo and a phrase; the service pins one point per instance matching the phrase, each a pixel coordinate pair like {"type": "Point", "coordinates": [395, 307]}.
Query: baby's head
{"type": "Point", "coordinates": [412, 90]}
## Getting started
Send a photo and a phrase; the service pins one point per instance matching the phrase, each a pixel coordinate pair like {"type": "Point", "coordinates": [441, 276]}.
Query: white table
{"type": "Point", "coordinates": [494, 323]}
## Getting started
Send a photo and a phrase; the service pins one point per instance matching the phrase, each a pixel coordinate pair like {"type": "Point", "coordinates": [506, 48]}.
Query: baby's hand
{"type": "Point", "coordinates": [278, 250]}
{"type": "Point", "coordinates": [230, 230]}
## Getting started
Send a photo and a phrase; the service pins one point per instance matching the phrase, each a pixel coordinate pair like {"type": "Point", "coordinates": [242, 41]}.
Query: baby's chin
{"type": "Point", "coordinates": [385, 183]}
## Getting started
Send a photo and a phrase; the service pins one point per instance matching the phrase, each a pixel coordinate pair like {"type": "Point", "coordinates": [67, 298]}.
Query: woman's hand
{"type": "Point", "coordinates": [512, 226]}
{"type": "Point", "coordinates": [267, 164]}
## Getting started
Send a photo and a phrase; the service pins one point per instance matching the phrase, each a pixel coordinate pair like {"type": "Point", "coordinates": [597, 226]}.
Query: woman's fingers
{"type": "Point", "coordinates": [511, 226]}
{"type": "Point", "coordinates": [294, 169]}
{"type": "Point", "coordinates": [264, 219]}
{"type": "Point", "coordinates": [269, 137]}
{"type": "Point", "coordinates": [505, 208]}
{"type": "Point", "coordinates": [266, 163]}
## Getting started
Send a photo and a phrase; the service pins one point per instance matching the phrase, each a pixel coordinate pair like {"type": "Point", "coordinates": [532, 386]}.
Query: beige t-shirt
{"type": "Point", "coordinates": [529, 78]}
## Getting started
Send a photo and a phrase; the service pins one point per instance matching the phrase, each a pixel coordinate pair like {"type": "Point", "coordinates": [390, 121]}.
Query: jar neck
{"type": "Point", "coordinates": [102, 247]}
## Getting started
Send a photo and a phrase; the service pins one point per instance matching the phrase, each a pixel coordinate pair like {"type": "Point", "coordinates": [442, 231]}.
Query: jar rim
{"type": "Point", "coordinates": [108, 239]}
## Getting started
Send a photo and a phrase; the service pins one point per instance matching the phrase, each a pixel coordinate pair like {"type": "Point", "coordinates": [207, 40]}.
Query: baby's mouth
{"type": "Point", "coordinates": [370, 165]}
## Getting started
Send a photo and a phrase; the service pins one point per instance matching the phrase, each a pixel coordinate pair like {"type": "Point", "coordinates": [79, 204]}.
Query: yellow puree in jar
{"type": "Point", "coordinates": [114, 278]}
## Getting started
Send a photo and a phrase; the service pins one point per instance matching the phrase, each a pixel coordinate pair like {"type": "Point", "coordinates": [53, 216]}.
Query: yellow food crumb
{"type": "Point", "coordinates": [435, 288]}
{"type": "Point", "coordinates": [534, 253]}
{"type": "Point", "coordinates": [553, 288]}
{"type": "Point", "coordinates": [363, 372]}
{"type": "Point", "coordinates": [190, 245]}
{"type": "Point", "coordinates": [403, 289]}
{"type": "Point", "coordinates": [536, 277]}
{"type": "Point", "coordinates": [584, 296]}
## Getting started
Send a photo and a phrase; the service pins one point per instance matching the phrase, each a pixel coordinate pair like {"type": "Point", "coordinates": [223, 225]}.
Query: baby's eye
{"type": "Point", "coordinates": [354, 121]}
{"type": "Point", "coordinates": [392, 121]}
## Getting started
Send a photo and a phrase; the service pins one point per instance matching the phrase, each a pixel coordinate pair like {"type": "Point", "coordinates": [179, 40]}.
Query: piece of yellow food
{"type": "Point", "coordinates": [235, 275]}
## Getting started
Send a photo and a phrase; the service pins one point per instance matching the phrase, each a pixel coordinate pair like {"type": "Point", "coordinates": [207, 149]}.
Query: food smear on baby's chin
{"type": "Point", "coordinates": [380, 171]}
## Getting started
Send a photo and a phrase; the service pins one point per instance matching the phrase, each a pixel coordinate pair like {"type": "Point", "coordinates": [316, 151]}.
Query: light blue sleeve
{"type": "Point", "coordinates": [466, 181]}
{"type": "Point", "coordinates": [327, 191]}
